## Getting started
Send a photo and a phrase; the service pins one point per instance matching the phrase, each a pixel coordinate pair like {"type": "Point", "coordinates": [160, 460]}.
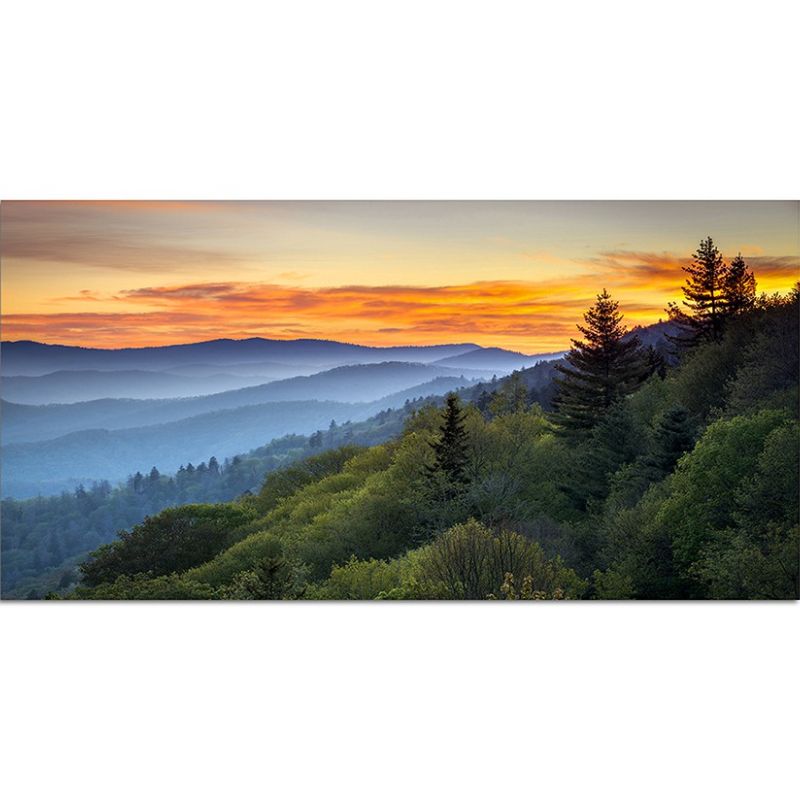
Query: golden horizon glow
{"type": "Point", "coordinates": [514, 275]}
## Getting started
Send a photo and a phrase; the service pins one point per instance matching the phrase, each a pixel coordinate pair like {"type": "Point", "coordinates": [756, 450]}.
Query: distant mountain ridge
{"type": "Point", "coordinates": [50, 447]}
{"type": "Point", "coordinates": [496, 358]}
{"type": "Point", "coordinates": [95, 453]}
{"type": "Point", "coordinates": [75, 386]}
{"type": "Point", "coordinates": [354, 383]}
{"type": "Point", "coordinates": [34, 358]}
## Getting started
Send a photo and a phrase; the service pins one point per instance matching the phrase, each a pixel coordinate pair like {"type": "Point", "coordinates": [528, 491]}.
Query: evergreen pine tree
{"type": "Point", "coordinates": [614, 442]}
{"type": "Point", "coordinates": [138, 479]}
{"type": "Point", "coordinates": [483, 401]}
{"type": "Point", "coordinates": [450, 449]}
{"type": "Point", "coordinates": [704, 297]}
{"type": "Point", "coordinates": [512, 396]}
{"type": "Point", "coordinates": [655, 363]}
{"type": "Point", "coordinates": [600, 370]}
{"type": "Point", "coordinates": [738, 287]}
{"type": "Point", "coordinates": [673, 437]}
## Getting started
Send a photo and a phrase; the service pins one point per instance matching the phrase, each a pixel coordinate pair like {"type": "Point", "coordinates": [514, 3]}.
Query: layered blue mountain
{"type": "Point", "coordinates": [51, 465]}
{"type": "Point", "coordinates": [33, 358]}
{"type": "Point", "coordinates": [74, 414]}
{"type": "Point", "coordinates": [494, 359]}
{"type": "Point", "coordinates": [48, 448]}
{"type": "Point", "coordinates": [362, 383]}
{"type": "Point", "coordinates": [68, 386]}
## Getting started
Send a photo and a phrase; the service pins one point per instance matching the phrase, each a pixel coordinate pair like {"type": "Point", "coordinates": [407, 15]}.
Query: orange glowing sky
{"type": "Point", "coordinates": [510, 274]}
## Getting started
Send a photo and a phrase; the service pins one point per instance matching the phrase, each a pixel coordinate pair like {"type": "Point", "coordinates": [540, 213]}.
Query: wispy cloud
{"type": "Point", "coordinates": [109, 236]}
{"type": "Point", "coordinates": [660, 271]}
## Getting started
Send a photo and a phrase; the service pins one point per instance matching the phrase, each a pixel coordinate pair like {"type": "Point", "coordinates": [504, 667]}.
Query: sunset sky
{"type": "Point", "coordinates": [511, 274]}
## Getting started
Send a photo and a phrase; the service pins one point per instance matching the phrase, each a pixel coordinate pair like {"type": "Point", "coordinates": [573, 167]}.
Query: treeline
{"type": "Point", "coordinates": [653, 477]}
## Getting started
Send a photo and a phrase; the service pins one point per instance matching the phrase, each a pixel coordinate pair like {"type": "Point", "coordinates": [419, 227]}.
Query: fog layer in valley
{"type": "Point", "coordinates": [76, 415]}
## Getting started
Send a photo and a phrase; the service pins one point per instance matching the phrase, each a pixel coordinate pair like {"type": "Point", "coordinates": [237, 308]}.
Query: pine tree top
{"type": "Point", "coordinates": [606, 365]}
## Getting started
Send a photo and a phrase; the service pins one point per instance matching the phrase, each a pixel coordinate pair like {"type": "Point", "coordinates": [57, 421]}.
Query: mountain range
{"type": "Point", "coordinates": [34, 358]}
{"type": "Point", "coordinates": [363, 383]}
{"type": "Point", "coordinates": [74, 414]}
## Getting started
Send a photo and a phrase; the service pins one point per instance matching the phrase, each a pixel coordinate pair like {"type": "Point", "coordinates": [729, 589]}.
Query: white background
{"type": "Point", "coordinates": [399, 100]}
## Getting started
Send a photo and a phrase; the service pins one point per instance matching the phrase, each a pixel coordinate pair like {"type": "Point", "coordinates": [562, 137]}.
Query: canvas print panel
{"type": "Point", "coordinates": [399, 400]}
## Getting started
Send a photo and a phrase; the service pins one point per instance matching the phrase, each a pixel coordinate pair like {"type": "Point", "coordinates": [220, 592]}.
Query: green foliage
{"type": "Point", "coordinates": [511, 589]}
{"type": "Point", "coordinates": [519, 466]}
{"type": "Point", "coordinates": [699, 384]}
{"type": "Point", "coordinates": [172, 541]}
{"type": "Point", "coordinates": [735, 567]}
{"type": "Point", "coordinates": [222, 570]}
{"type": "Point", "coordinates": [616, 441]}
{"type": "Point", "coordinates": [769, 373]}
{"type": "Point", "coordinates": [141, 587]}
{"type": "Point", "coordinates": [362, 509]}
{"type": "Point", "coordinates": [673, 436]}
{"type": "Point", "coordinates": [271, 579]}
{"type": "Point", "coordinates": [361, 580]}
{"type": "Point", "coordinates": [512, 397]}
{"type": "Point", "coordinates": [612, 585]}
{"type": "Point", "coordinates": [283, 483]}
{"type": "Point", "coordinates": [471, 562]}
{"type": "Point", "coordinates": [670, 435]}
{"type": "Point", "coordinates": [637, 556]}
{"type": "Point", "coordinates": [702, 489]}
{"type": "Point", "coordinates": [757, 556]}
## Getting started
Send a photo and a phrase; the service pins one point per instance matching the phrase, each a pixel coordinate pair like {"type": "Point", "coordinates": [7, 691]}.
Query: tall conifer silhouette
{"type": "Point", "coordinates": [738, 288]}
{"type": "Point", "coordinates": [450, 448]}
{"type": "Point", "coordinates": [704, 293]}
{"type": "Point", "coordinates": [600, 370]}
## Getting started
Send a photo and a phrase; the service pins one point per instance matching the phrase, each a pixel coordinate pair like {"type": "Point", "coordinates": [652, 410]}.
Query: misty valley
{"type": "Point", "coordinates": [125, 420]}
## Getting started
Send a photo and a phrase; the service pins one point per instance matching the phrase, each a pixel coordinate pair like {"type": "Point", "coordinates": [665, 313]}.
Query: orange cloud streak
{"type": "Point", "coordinates": [532, 317]}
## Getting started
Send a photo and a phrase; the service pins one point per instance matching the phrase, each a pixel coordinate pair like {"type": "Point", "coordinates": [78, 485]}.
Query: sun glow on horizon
{"type": "Point", "coordinates": [515, 275]}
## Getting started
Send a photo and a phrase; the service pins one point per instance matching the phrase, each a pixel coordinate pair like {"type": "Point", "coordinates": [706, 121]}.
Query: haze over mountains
{"type": "Point", "coordinates": [357, 385]}
{"type": "Point", "coordinates": [494, 359]}
{"type": "Point", "coordinates": [66, 386]}
{"type": "Point", "coordinates": [78, 386]}
{"type": "Point", "coordinates": [34, 358]}
{"type": "Point", "coordinates": [74, 414]}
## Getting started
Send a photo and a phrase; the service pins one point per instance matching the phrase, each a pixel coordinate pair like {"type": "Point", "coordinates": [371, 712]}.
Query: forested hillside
{"type": "Point", "coordinates": [44, 538]}
{"type": "Point", "coordinates": [652, 477]}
